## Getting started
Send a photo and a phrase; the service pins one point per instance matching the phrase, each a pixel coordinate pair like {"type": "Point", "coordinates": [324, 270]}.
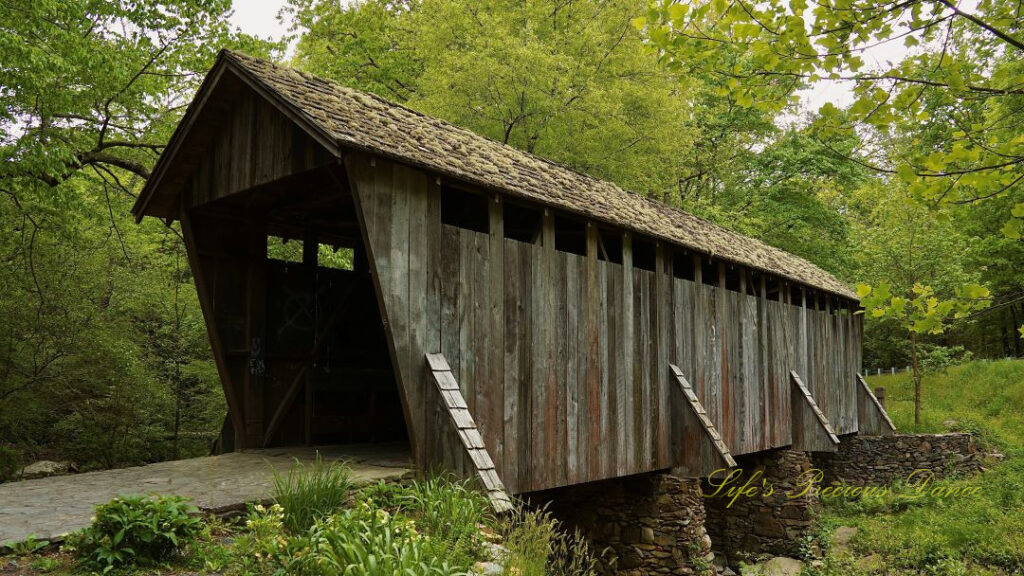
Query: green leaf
{"type": "Point", "coordinates": [1012, 229]}
{"type": "Point", "coordinates": [1018, 210]}
{"type": "Point", "coordinates": [863, 290]}
{"type": "Point", "coordinates": [677, 12]}
{"type": "Point", "coordinates": [906, 173]}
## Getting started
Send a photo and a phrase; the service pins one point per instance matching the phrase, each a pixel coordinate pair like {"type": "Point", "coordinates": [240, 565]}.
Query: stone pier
{"type": "Point", "coordinates": [647, 524]}
{"type": "Point", "coordinates": [773, 514]}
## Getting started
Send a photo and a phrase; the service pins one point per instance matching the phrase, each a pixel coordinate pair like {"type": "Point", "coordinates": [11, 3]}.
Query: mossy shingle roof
{"type": "Point", "coordinates": [358, 120]}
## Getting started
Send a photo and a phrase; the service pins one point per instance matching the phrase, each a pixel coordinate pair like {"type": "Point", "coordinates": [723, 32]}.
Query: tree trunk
{"type": "Point", "coordinates": [917, 379]}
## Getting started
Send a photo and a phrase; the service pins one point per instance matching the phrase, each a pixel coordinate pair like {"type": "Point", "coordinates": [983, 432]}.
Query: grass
{"type": "Point", "coordinates": [310, 492]}
{"type": "Point", "coordinates": [983, 397]}
{"type": "Point", "coordinates": [904, 533]}
{"type": "Point", "coordinates": [537, 545]}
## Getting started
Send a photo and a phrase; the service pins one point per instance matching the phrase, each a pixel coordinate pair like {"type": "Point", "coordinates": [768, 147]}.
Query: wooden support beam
{"type": "Point", "coordinates": [812, 431]}
{"type": "Point", "coordinates": [204, 292]}
{"type": "Point", "coordinates": [701, 450]}
{"type": "Point", "coordinates": [872, 419]}
{"type": "Point", "coordinates": [462, 421]}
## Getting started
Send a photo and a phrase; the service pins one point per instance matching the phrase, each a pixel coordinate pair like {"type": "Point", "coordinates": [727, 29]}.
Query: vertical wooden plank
{"type": "Point", "coordinates": [451, 277]}
{"type": "Point", "coordinates": [559, 318]}
{"type": "Point", "coordinates": [682, 339]}
{"type": "Point", "coordinates": [700, 334]}
{"type": "Point", "coordinates": [495, 383]}
{"type": "Point", "coordinates": [641, 378]}
{"type": "Point", "coordinates": [662, 328]}
{"type": "Point", "coordinates": [852, 368]}
{"type": "Point", "coordinates": [591, 431]}
{"type": "Point", "coordinates": [625, 379]}
{"type": "Point", "coordinates": [528, 254]}
{"type": "Point", "coordinates": [467, 329]}
{"type": "Point", "coordinates": [488, 397]}
{"type": "Point", "coordinates": [425, 297]}
{"type": "Point", "coordinates": [804, 350]}
{"type": "Point", "coordinates": [722, 393]}
{"type": "Point", "coordinates": [408, 186]}
{"type": "Point", "coordinates": [749, 362]}
{"type": "Point", "coordinates": [575, 348]}
{"type": "Point", "coordinates": [767, 401]}
{"type": "Point", "coordinates": [544, 401]}
{"type": "Point", "coordinates": [512, 373]}
{"type": "Point", "coordinates": [609, 290]}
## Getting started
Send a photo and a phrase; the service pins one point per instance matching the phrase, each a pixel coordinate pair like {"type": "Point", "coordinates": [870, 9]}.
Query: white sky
{"type": "Point", "coordinates": [259, 17]}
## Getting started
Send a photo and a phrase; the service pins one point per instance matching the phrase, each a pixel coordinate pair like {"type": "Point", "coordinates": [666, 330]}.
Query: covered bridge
{"type": "Point", "coordinates": [505, 315]}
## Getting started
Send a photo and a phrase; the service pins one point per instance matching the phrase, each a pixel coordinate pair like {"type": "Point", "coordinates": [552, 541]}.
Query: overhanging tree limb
{"type": "Point", "coordinates": [981, 23]}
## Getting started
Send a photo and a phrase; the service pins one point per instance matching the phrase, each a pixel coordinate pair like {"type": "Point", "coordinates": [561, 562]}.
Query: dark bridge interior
{"type": "Point", "coordinates": [296, 315]}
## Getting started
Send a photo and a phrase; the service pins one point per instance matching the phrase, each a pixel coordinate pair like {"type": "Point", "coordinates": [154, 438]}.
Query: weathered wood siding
{"type": "Point", "coordinates": [255, 144]}
{"type": "Point", "coordinates": [563, 359]}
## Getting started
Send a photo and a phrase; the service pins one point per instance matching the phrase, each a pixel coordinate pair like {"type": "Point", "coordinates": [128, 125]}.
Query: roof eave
{"type": "Point", "coordinates": [224, 63]}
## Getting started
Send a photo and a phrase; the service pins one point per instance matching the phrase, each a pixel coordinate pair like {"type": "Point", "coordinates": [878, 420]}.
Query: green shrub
{"type": "Point", "coordinates": [29, 546]}
{"type": "Point", "coordinates": [360, 541]}
{"type": "Point", "coordinates": [451, 513]}
{"type": "Point", "coordinates": [538, 545]}
{"type": "Point", "coordinates": [133, 530]}
{"type": "Point", "coordinates": [387, 495]}
{"type": "Point", "coordinates": [311, 492]}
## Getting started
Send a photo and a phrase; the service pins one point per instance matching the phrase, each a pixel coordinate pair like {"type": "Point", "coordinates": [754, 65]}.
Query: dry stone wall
{"type": "Point", "coordinates": [649, 524]}
{"type": "Point", "coordinates": [880, 460]}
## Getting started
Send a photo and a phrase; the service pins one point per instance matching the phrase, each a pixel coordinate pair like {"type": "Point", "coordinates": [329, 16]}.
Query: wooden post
{"type": "Point", "coordinates": [626, 395]}
{"type": "Point", "coordinates": [805, 362]}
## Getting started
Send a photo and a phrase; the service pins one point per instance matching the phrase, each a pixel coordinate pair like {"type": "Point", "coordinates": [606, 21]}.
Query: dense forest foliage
{"type": "Point", "coordinates": [914, 192]}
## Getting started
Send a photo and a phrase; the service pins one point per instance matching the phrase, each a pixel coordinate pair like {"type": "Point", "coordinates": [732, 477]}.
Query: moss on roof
{"type": "Point", "coordinates": [367, 122]}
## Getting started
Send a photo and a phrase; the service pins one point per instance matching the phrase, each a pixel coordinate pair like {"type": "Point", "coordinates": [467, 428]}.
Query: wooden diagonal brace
{"type": "Point", "coordinates": [872, 419]}
{"type": "Point", "coordinates": [812, 431]}
{"type": "Point", "coordinates": [463, 423]}
{"type": "Point", "coordinates": [698, 448]}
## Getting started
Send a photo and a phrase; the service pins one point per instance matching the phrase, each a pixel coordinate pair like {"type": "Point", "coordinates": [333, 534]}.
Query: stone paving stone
{"type": "Point", "coordinates": [49, 508]}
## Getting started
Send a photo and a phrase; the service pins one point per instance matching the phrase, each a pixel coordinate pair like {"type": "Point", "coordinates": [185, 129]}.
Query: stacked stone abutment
{"type": "Point", "coordinates": [648, 524]}
{"type": "Point", "coordinates": [772, 513]}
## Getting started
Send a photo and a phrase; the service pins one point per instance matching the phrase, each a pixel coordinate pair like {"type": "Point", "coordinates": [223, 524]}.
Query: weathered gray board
{"type": "Point", "coordinates": [694, 432]}
{"type": "Point", "coordinates": [812, 431]}
{"type": "Point", "coordinates": [874, 420]}
{"type": "Point", "coordinates": [560, 357]}
{"type": "Point", "coordinates": [461, 420]}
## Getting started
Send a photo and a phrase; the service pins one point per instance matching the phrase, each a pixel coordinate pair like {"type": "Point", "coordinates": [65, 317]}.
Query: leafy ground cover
{"type": "Point", "coordinates": [318, 525]}
{"type": "Point", "coordinates": [905, 533]}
